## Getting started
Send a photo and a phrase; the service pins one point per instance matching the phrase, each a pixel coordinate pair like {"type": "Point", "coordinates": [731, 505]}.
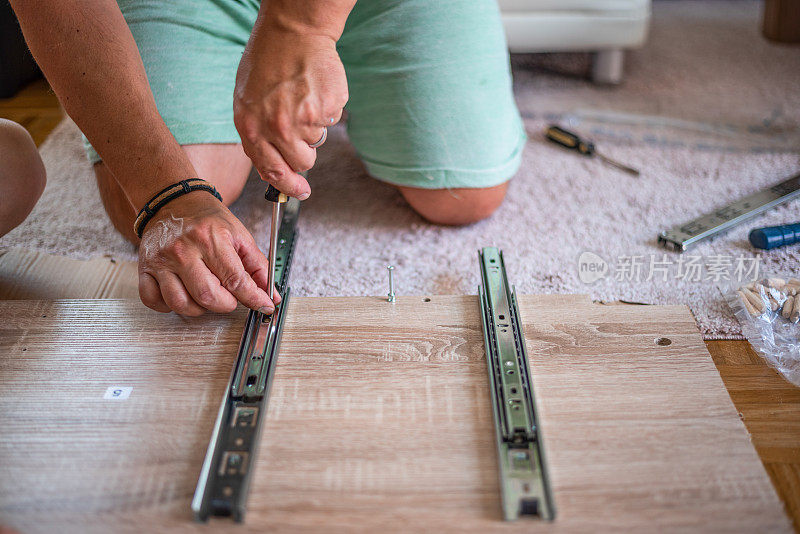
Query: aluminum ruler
{"type": "Point", "coordinates": [688, 234]}
{"type": "Point", "coordinates": [524, 482]}
{"type": "Point", "coordinates": [228, 466]}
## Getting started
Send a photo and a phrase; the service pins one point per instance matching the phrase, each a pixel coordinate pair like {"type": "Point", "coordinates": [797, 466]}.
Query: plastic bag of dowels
{"type": "Point", "coordinates": [769, 312]}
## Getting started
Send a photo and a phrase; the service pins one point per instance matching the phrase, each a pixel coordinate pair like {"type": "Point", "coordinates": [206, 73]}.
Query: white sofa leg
{"type": "Point", "coordinates": [607, 66]}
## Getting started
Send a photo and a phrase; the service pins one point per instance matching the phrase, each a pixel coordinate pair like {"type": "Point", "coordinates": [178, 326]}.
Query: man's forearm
{"type": "Point", "coordinates": [322, 17]}
{"type": "Point", "coordinates": [88, 55]}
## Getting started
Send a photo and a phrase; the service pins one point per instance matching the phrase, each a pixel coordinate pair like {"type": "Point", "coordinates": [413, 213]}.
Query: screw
{"type": "Point", "coordinates": [391, 283]}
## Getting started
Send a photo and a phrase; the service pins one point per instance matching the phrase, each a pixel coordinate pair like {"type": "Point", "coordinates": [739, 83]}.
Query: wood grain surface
{"type": "Point", "coordinates": [379, 419]}
{"type": "Point", "coordinates": [770, 407]}
{"type": "Point", "coordinates": [34, 275]}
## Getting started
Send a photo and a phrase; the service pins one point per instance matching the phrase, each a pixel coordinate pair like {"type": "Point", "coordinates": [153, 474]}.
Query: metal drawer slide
{"type": "Point", "coordinates": [230, 458]}
{"type": "Point", "coordinates": [523, 470]}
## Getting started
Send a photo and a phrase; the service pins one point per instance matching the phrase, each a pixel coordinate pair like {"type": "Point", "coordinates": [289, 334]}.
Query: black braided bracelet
{"type": "Point", "coordinates": [168, 194]}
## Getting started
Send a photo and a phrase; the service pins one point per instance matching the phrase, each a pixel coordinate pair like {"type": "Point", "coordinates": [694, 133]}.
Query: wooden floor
{"type": "Point", "coordinates": [768, 405]}
{"type": "Point", "coordinates": [36, 108]}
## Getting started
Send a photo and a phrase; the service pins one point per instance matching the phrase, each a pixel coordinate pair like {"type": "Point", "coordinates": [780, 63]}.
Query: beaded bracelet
{"type": "Point", "coordinates": [167, 195]}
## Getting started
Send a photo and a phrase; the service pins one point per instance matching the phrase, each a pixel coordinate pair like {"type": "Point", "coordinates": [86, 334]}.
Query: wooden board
{"type": "Point", "coordinates": [29, 274]}
{"type": "Point", "coordinates": [379, 419]}
{"type": "Point", "coordinates": [768, 404]}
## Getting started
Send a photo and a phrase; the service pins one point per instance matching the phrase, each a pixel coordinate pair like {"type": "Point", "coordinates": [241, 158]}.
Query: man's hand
{"type": "Point", "coordinates": [290, 85]}
{"type": "Point", "coordinates": [196, 256]}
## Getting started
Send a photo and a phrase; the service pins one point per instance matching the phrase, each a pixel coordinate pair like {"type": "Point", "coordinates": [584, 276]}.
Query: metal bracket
{"type": "Point", "coordinates": [228, 466]}
{"type": "Point", "coordinates": [680, 238]}
{"type": "Point", "coordinates": [524, 482]}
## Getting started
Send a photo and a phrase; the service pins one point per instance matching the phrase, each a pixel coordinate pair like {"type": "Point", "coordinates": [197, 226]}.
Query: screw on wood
{"type": "Point", "coordinates": [391, 283]}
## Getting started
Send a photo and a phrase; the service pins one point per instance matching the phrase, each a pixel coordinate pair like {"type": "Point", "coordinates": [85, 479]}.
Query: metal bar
{"type": "Point", "coordinates": [524, 482]}
{"type": "Point", "coordinates": [273, 242]}
{"type": "Point", "coordinates": [228, 465]}
{"type": "Point", "coordinates": [682, 237]}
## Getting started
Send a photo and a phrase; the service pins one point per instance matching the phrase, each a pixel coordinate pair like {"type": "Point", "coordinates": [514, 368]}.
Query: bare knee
{"type": "Point", "coordinates": [455, 207]}
{"type": "Point", "coordinates": [22, 175]}
{"type": "Point", "coordinates": [224, 165]}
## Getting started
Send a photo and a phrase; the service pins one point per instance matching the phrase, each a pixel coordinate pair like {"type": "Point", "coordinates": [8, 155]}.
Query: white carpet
{"type": "Point", "coordinates": [709, 111]}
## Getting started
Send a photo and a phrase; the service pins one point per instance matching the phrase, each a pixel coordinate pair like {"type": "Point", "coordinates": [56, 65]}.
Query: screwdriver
{"type": "Point", "coordinates": [277, 198]}
{"type": "Point", "coordinates": [572, 141]}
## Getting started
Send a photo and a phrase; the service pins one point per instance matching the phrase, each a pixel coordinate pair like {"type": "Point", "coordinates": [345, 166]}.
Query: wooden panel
{"type": "Point", "coordinates": [769, 405]}
{"type": "Point", "coordinates": [379, 419]}
{"type": "Point", "coordinates": [28, 274]}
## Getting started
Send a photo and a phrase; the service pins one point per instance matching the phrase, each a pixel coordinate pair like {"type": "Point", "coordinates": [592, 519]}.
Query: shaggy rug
{"type": "Point", "coordinates": [709, 111]}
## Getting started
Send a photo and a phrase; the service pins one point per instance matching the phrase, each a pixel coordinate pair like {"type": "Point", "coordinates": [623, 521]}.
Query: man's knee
{"type": "Point", "coordinates": [455, 207]}
{"type": "Point", "coordinates": [22, 174]}
{"type": "Point", "coordinates": [224, 165]}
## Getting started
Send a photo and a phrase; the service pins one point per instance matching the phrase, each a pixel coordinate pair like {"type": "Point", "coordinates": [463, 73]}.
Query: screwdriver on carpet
{"type": "Point", "coordinates": [572, 141]}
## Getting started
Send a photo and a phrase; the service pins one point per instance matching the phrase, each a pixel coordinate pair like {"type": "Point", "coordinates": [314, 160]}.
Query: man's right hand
{"type": "Point", "coordinates": [290, 86]}
{"type": "Point", "coordinates": [196, 256]}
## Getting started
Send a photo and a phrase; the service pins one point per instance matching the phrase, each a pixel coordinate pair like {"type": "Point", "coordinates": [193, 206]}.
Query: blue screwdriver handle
{"type": "Point", "coordinates": [775, 236]}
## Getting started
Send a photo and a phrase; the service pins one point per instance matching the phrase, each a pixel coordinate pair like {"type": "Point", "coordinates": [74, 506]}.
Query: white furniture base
{"type": "Point", "coordinates": [606, 27]}
{"type": "Point", "coordinates": [607, 66]}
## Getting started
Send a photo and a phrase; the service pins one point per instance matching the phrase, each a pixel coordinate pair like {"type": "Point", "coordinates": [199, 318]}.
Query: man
{"type": "Point", "coordinates": [430, 110]}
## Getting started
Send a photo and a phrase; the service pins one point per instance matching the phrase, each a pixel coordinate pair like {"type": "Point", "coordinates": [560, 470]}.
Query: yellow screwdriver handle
{"type": "Point", "coordinates": [568, 140]}
{"type": "Point", "coordinates": [273, 195]}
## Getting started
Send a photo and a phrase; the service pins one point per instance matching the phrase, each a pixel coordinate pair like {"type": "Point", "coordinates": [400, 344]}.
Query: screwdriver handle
{"type": "Point", "coordinates": [775, 236]}
{"type": "Point", "coordinates": [273, 195]}
{"type": "Point", "coordinates": [569, 140]}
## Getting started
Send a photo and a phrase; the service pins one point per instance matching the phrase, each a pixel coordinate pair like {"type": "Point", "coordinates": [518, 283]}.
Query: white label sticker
{"type": "Point", "coordinates": [118, 393]}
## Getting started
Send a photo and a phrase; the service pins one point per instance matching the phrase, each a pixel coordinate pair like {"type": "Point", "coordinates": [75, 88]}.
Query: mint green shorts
{"type": "Point", "coordinates": [430, 105]}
